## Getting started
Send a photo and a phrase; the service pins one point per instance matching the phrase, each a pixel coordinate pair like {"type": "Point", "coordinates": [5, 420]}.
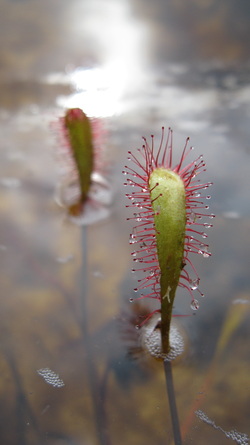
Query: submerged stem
{"type": "Point", "coordinates": [172, 402]}
{"type": "Point", "coordinates": [91, 369]}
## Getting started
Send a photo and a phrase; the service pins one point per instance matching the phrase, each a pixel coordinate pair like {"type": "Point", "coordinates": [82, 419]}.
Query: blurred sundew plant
{"type": "Point", "coordinates": [169, 213]}
{"type": "Point", "coordinates": [84, 192]}
{"type": "Point", "coordinates": [78, 132]}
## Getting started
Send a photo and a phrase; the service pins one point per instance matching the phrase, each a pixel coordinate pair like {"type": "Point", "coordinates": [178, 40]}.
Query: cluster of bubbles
{"type": "Point", "coordinates": [51, 377]}
{"type": "Point", "coordinates": [150, 336]}
{"type": "Point", "coordinates": [240, 438]}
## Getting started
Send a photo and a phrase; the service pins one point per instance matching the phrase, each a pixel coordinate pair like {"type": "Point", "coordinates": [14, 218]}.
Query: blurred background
{"type": "Point", "coordinates": [65, 373]}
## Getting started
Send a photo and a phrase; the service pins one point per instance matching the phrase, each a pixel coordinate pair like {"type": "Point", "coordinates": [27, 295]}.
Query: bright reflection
{"type": "Point", "coordinates": [118, 39]}
{"type": "Point", "coordinates": [99, 91]}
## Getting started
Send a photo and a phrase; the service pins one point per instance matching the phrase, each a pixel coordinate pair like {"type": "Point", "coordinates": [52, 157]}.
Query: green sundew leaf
{"type": "Point", "coordinates": [81, 143]}
{"type": "Point", "coordinates": [169, 204]}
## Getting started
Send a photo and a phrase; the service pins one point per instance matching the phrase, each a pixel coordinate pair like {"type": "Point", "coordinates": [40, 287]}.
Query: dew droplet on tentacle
{"type": "Point", "coordinates": [205, 253]}
{"type": "Point", "coordinates": [208, 226]}
{"type": "Point", "coordinates": [132, 238]}
{"type": "Point", "coordinates": [194, 283]}
{"type": "Point", "coordinates": [194, 305]}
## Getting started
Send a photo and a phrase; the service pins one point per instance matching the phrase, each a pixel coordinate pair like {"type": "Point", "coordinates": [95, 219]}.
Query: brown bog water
{"type": "Point", "coordinates": [67, 373]}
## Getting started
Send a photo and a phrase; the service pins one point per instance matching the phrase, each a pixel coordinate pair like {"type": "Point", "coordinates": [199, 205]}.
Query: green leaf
{"type": "Point", "coordinates": [168, 199]}
{"type": "Point", "coordinates": [79, 132]}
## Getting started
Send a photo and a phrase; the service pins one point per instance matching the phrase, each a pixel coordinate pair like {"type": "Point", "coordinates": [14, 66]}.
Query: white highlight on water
{"type": "Point", "coordinates": [241, 301]}
{"type": "Point", "coordinates": [11, 183]}
{"type": "Point", "coordinates": [64, 259]}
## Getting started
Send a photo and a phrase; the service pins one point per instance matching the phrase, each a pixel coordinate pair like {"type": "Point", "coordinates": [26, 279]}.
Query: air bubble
{"type": "Point", "coordinates": [194, 305]}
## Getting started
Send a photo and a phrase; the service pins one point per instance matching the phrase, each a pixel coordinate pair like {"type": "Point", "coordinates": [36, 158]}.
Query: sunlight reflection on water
{"type": "Point", "coordinates": [100, 89]}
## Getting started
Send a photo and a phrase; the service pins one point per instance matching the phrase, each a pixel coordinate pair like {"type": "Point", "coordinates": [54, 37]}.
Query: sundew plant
{"type": "Point", "coordinates": [78, 132]}
{"type": "Point", "coordinates": [170, 214]}
{"type": "Point", "coordinates": [84, 191]}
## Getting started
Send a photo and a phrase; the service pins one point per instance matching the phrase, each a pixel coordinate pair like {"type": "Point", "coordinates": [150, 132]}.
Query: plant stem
{"type": "Point", "coordinates": [91, 370]}
{"type": "Point", "coordinates": [172, 402]}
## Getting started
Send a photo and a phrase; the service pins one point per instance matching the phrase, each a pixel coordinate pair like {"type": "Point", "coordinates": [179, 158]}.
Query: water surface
{"type": "Point", "coordinates": [66, 376]}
